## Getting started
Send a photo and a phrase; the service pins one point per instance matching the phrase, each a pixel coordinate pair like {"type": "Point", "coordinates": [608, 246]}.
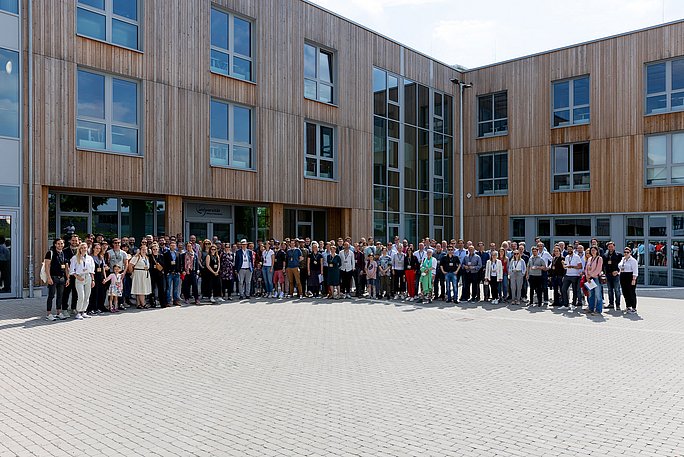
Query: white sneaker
{"type": "Point", "coordinates": [61, 316]}
{"type": "Point", "coordinates": [78, 316]}
{"type": "Point", "coordinates": [495, 302]}
{"type": "Point", "coordinates": [281, 295]}
{"type": "Point", "coordinates": [50, 317]}
{"type": "Point", "coordinates": [564, 308]}
{"type": "Point", "coordinates": [212, 300]}
{"type": "Point", "coordinates": [66, 314]}
{"type": "Point", "coordinates": [85, 315]}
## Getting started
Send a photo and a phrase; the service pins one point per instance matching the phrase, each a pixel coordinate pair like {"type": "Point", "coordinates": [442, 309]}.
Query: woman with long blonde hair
{"type": "Point", "coordinates": [83, 269]}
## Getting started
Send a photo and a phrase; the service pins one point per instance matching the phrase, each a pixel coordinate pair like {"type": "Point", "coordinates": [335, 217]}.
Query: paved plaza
{"type": "Point", "coordinates": [343, 378]}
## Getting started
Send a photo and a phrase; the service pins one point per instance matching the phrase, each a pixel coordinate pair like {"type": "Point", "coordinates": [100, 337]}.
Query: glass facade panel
{"type": "Point", "coordinates": [11, 6]}
{"type": "Point", "coordinates": [91, 24]}
{"type": "Point", "coordinates": [126, 8]}
{"type": "Point", "coordinates": [9, 93]}
{"type": "Point", "coordinates": [242, 34]}
{"type": "Point", "coordinates": [124, 34]}
{"type": "Point", "coordinates": [655, 78]}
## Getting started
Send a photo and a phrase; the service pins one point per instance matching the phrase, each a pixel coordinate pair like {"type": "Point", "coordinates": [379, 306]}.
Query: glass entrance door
{"type": "Point", "coordinates": [8, 269]}
{"type": "Point", "coordinates": [209, 230]}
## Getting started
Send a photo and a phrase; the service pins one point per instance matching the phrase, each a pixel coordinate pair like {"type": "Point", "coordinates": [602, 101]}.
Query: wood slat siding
{"type": "Point", "coordinates": [176, 89]}
{"type": "Point", "coordinates": [616, 132]}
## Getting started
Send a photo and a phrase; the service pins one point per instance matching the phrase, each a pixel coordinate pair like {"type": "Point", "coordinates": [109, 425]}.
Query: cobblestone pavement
{"type": "Point", "coordinates": [343, 378]}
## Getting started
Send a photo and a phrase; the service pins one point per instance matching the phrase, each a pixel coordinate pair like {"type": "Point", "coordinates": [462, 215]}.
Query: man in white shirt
{"type": "Point", "coordinates": [346, 269]}
{"type": "Point", "coordinates": [573, 271]}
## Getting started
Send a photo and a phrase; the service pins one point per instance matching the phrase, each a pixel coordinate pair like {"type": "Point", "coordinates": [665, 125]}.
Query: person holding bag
{"type": "Point", "coordinates": [592, 272]}
{"type": "Point", "coordinates": [141, 286]}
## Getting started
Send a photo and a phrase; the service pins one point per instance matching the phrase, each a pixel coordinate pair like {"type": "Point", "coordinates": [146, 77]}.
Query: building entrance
{"type": "Point", "coordinates": [9, 281]}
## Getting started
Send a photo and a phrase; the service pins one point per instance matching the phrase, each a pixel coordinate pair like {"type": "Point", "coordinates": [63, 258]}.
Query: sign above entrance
{"type": "Point", "coordinates": [208, 210]}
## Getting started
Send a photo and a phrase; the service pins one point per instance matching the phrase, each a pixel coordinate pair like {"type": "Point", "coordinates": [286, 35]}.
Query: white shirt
{"type": "Point", "coordinates": [547, 257]}
{"type": "Point", "coordinates": [85, 266]}
{"type": "Point", "coordinates": [347, 260]}
{"type": "Point", "coordinates": [494, 269]}
{"type": "Point", "coordinates": [629, 266]}
{"type": "Point", "coordinates": [573, 260]}
{"type": "Point", "coordinates": [398, 261]}
{"type": "Point", "coordinates": [267, 259]}
{"type": "Point", "coordinates": [245, 259]}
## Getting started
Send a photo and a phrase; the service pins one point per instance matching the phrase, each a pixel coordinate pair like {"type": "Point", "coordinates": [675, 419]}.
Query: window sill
{"type": "Point", "coordinates": [315, 178]}
{"type": "Point", "coordinates": [232, 77]}
{"type": "Point", "coordinates": [560, 191]}
{"type": "Point", "coordinates": [9, 13]}
{"type": "Point", "coordinates": [661, 186]}
{"type": "Point", "coordinates": [139, 51]}
{"type": "Point", "coordinates": [493, 135]}
{"type": "Point", "coordinates": [670, 111]}
{"type": "Point", "coordinates": [322, 103]}
{"type": "Point", "coordinates": [501, 194]}
{"type": "Point", "coordinates": [576, 124]}
{"type": "Point", "coordinates": [228, 167]}
{"type": "Point", "coordinates": [106, 151]}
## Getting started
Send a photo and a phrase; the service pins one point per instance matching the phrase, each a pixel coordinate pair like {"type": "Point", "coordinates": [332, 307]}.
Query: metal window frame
{"type": "Point", "coordinates": [571, 102]}
{"type": "Point", "coordinates": [494, 118]}
{"type": "Point", "coordinates": [231, 143]}
{"type": "Point", "coordinates": [333, 70]}
{"type": "Point", "coordinates": [493, 179]}
{"type": "Point", "coordinates": [317, 155]}
{"type": "Point", "coordinates": [231, 44]}
{"type": "Point", "coordinates": [571, 167]}
{"type": "Point", "coordinates": [108, 13]}
{"type": "Point", "coordinates": [108, 119]}
{"type": "Point", "coordinates": [668, 88]}
{"type": "Point", "coordinates": [668, 165]}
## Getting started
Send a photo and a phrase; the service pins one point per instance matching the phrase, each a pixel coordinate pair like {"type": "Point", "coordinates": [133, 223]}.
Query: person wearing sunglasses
{"type": "Point", "coordinates": [212, 264]}
{"type": "Point", "coordinates": [629, 272]}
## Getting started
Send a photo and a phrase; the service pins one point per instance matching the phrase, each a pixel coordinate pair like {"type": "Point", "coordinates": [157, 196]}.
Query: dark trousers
{"type": "Point", "coordinates": [494, 286]}
{"type": "Point", "coordinates": [360, 281]}
{"type": "Point", "coordinates": [304, 278]}
{"type": "Point", "coordinates": [628, 290]}
{"type": "Point", "coordinates": [190, 282]}
{"type": "Point", "coordinates": [471, 287]}
{"type": "Point", "coordinates": [461, 276]}
{"type": "Point", "coordinates": [439, 284]}
{"type": "Point", "coordinates": [536, 288]}
{"type": "Point", "coordinates": [70, 289]}
{"type": "Point", "coordinates": [545, 285]}
{"type": "Point", "coordinates": [613, 286]}
{"type": "Point", "coordinates": [570, 281]}
{"type": "Point", "coordinates": [205, 284]}
{"type": "Point", "coordinates": [97, 296]}
{"type": "Point", "coordinates": [399, 281]}
{"type": "Point", "coordinates": [214, 285]}
{"type": "Point", "coordinates": [159, 285]}
{"type": "Point", "coordinates": [227, 286]}
{"type": "Point", "coordinates": [557, 283]}
{"type": "Point", "coordinates": [5, 275]}
{"type": "Point", "coordinates": [346, 277]}
{"type": "Point", "coordinates": [55, 290]}
{"type": "Point", "coordinates": [485, 287]}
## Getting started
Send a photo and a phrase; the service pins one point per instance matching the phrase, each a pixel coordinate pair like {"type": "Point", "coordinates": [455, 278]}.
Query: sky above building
{"type": "Point", "coordinates": [475, 33]}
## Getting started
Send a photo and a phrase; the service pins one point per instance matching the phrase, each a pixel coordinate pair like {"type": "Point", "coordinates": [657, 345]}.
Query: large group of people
{"type": "Point", "coordinates": [93, 276]}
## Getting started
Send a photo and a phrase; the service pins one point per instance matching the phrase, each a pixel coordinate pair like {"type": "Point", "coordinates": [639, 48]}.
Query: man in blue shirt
{"type": "Point", "coordinates": [172, 267]}
{"type": "Point", "coordinates": [294, 256]}
{"type": "Point", "coordinates": [472, 264]}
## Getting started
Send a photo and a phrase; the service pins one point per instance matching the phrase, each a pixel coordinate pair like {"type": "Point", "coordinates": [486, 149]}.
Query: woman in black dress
{"type": "Point", "coordinates": [314, 265]}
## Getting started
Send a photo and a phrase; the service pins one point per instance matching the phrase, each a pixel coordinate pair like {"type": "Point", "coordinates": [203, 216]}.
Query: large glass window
{"type": "Point", "coordinates": [113, 21]}
{"type": "Point", "coordinates": [319, 74]}
{"type": "Point", "coordinates": [570, 167]}
{"type": "Point", "coordinates": [665, 159]}
{"type": "Point", "coordinates": [11, 6]}
{"type": "Point", "coordinates": [231, 45]}
{"type": "Point", "coordinates": [492, 114]}
{"type": "Point", "coordinates": [492, 174]}
{"type": "Point", "coordinates": [9, 93]}
{"type": "Point", "coordinates": [571, 101]}
{"type": "Point", "coordinates": [107, 117]}
{"type": "Point", "coordinates": [231, 135]}
{"type": "Point", "coordinates": [665, 86]}
{"type": "Point", "coordinates": [412, 158]}
{"type": "Point", "coordinates": [320, 151]}
{"type": "Point", "coordinates": [304, 223]}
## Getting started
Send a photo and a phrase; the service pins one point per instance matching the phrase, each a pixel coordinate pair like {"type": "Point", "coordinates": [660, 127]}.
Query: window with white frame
{"type": "Point", "coordinates": [113, 21]}
{"type": "Point", "coordinates": [570, 167]}
{"type": "Point", "coordinates": [492, 114]}
{"type": "Point", "coordinates": [318, 74]}
{"type": "Point", "coordinates": [319, 151]}
{"type": "Point", "coordinates": [571, 101]}
{"type": "Point", "coordinates": [492, 174]}
{"type": "Point", "coordinates": [231, 135]}
{"type": "Point", "coordinates": [107, 113]}
{"type": "Point", "coordinates": [665, 159]}
{"type": "Point", "coordinates": [231, 45]}
{"type": "Point", "coordinates": [665, 86]}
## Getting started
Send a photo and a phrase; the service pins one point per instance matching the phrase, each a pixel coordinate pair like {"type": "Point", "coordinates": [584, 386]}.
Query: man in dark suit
{"type": "Point", "coordinates": [172, 267]}
{"type": "Point", "coordinates": [244, 265]}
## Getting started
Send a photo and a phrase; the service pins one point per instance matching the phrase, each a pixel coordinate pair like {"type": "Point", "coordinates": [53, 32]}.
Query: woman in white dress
{"type": "Point", "coordinates": [83, 269]}
{"type": "Point", "coordinates": [141, 282]}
